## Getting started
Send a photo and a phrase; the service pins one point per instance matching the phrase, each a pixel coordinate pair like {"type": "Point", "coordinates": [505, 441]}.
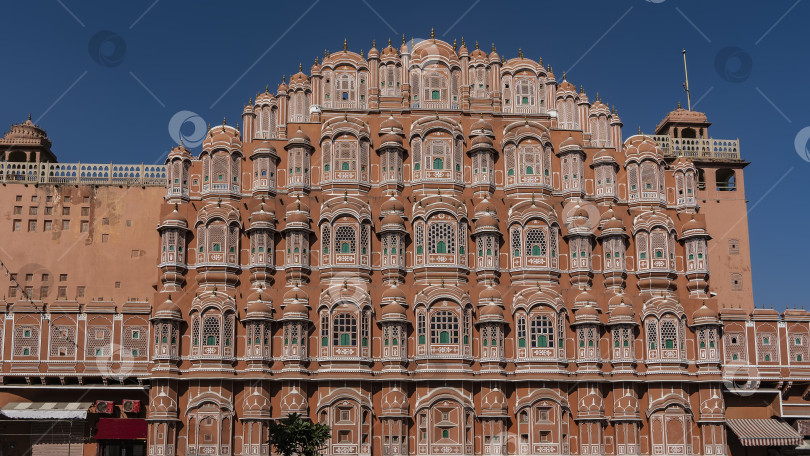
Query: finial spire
{"type": "Point", "coordinates": [493, 47]}
{"type": "Point", "coordinates": [299, 67]}
{"type": "Point", "coordinates": [541, 62]}
{"type": "Point", "coordinates": [520, 53]}
{"type": "Point", "coordinates": [29, 116]}
{"type": "Point", "coordinates": [432, 34]}
{"type": "Point", "coordinates": [325, 53]}
{"type": "Point", "coordinates": [462, 41]}
{"type": "Point", "coordinates": [316, 60]}
{"type": "Point", "coordinates": [374, 43]}
{"type": "Point", "coordinates": [476, 44]}
{"type": "Point", "coordinates": [563, 75]}
{"type": "Point", "coordinates": [345, 45]}
{"type": "Point", "coordinates": [403, 38]}
{"type": "Point", "coordinates": [389, 41]}
{"type": "Point", "coordinates": [679, 104]}
{"type": "Point", "coordinates": [454, 44]}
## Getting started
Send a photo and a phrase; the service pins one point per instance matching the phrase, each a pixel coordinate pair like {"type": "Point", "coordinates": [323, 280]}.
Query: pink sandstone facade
{"type": "Point", "coordinates": [431, 249]}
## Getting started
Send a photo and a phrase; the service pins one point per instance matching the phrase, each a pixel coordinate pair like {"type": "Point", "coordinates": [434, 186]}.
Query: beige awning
{"type": "Point", "coordinates": [764, 432]}
{"type": "Point", "coordinates": [46, 410]}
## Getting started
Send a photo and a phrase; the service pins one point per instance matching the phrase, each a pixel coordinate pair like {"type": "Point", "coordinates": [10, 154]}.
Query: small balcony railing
{"type": "Point", "coordinates": [706, 148]}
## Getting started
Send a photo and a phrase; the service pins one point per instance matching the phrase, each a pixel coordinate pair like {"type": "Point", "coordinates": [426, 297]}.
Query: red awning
{"type": "Point", "coordinates": [764, 432]}
{"type": "Point", "coordinates": [121, 429]}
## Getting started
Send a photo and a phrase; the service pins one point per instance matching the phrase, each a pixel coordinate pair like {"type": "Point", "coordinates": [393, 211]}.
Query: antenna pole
{"type": "Point", "coordinates": [686, 85]}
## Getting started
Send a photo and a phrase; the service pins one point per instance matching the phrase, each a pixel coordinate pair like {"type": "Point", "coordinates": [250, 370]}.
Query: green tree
{"type": "Point", "coordinates": [295, 436]}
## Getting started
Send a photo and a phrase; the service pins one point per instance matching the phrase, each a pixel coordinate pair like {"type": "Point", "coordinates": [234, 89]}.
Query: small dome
{"type": "Point", "coordinates": [394, 220]}
{"type": "Point", "coordinates": [694, 224]}
{"type": "Point", "coordinates": [395, 402]}
{"type": "Point", "coordinates": [482, 125]}
{"type": "Point", "coordinates": [622, 310]}
{"type": "Point", "coordinates": [565, 85]}
{"type": "Point", "coordinates": [222, 135]}
{"type": "Point", "coordinates": [394, 309]}
{"type": "Point", "coordinates": [484, 207]}
{"type": "Point", "coordinates": [613, 224]}
{"type": "Point", "coordinates": [493, 403]}
{"type": "Point", "coordinates": [570, 144]}
{"type": "Point", "coordinates": [482, 142]}
{"type": "Point", "coordinates": [168, 309]}
{"type": "Point", "coordinates": [296, 294]}
{"type": "Point", "coordinates": [586, 314]}
{"type": "Point", "coordinates": [294, 402]}
{"type": "Point", "coordinates": [392, 204]}
{"type": "Point", "coordinates": [297, 206]}
{"type": "Point", "coordinates": [394, 293]}
{"type": "Point", "coordinates": [585, 298]}
{"type": "Point", "coordinates": [391, 125]}
{"type": "Point", "coordinates": [299, 78]}
{"type": "Point", "coordinates": [296, 311]}
{"type": "Point", "coordinates": [389, 138]}
{"type": "Point", "coordinates": [175, 218]}
{"type": "Point", "coordinates": [489, 294]}
{"type": "Point", "coordinates": [258, 304]}
{"type": "Point", "coordinates": [604, 156]}
{"type": "Point", "coordinates": [487, 221]}
{"type": "Point", "coordinates": [299, 138]}
{"type": "Point", "coordinates": [179, 152]}
{"type": "Point", "coordinates": [491, 310]}
{"type": "Point", "coordinates": [704, 315]}
{"type": "Point", "coordinates": [262, 216]}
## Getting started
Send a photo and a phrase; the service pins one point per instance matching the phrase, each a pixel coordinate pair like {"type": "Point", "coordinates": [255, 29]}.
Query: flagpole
{"type": "Point", "coordinates": [686, 85]}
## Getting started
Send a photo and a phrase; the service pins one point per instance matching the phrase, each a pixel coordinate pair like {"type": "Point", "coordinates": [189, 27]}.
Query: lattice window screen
{"type": "Point", "coordinates": [63, 340]}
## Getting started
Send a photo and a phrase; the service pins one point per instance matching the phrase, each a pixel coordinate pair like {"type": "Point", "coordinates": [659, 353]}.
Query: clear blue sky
{"type": "Point", "coordinates": [113, 102]}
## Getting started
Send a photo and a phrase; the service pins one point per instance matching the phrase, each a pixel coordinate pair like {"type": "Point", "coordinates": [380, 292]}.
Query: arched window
{"type": "Point", "coordinates": [669, 335]}
{"type": "Point", "coordinates": [444, 327]}
{"type": "Point", "coordinates": [524, 93]}
{"type": "Point", "coordinates": [536, 242]}
{"type": "Point", "coordinates": [435, 87]}
{"type": "Point", "coordinates": [437, 153]}
{"type": "Point", "coordinates": [344, 88]}
{"type": "Point", "coordinates": [346, 239]}
{"type": "Point", "coordinates": [441, 237]}
{"type": "Point", "coordinates": [344, 330]}
{"type": "Point", "coordinates": [542, 331]}
{"type": "Point", "coordinates": [211, 331]}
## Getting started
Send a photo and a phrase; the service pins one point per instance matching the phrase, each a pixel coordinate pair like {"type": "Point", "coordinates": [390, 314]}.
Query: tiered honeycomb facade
{"type": "Point", "coordinates": [437, 251]}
